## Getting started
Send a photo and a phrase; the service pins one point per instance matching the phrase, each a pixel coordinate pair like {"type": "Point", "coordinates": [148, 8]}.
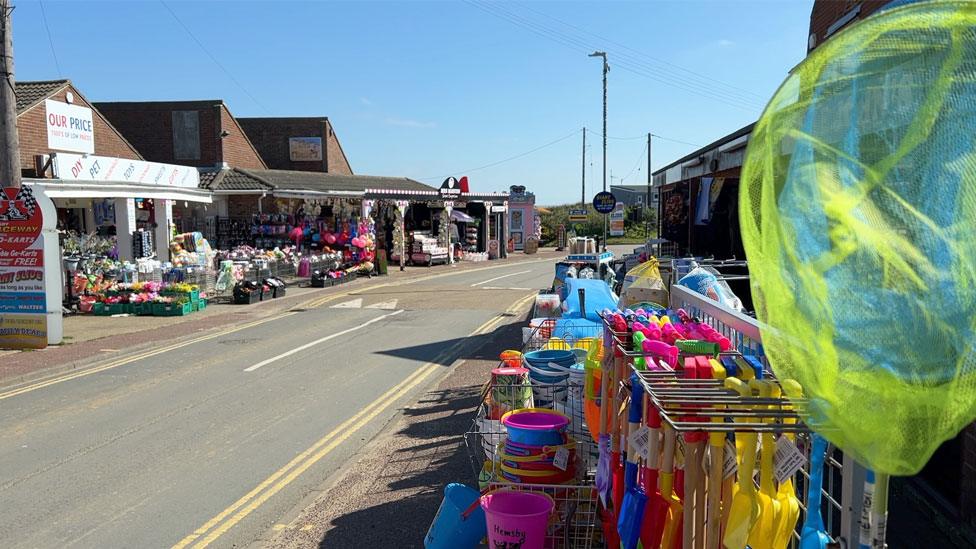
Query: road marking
{"type": "Point", "coordinates": [500, 288]}
{"type": "Point", "coordinates": [320, 340]}
{"type": "Point", "coordinates": [312, 303]}
{"type": "Point", "coordinates": [134, 358]}
{"type": "Point", "coordinates": [498, 278]}
{"type": "Point", "coordinates": [302, 462]}
{"type": "Point", "coordinates": [354, 304]}
{"type": "Point", "coordinates": [386, 305]}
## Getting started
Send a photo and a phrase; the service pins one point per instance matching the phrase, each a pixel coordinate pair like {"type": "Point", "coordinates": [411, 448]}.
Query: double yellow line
{"type": "Point", "coordinates": [231, 516]}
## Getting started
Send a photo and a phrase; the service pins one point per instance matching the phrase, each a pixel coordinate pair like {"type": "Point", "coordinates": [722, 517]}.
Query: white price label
{"type": "Point", "coordinates": [788, 460]}
{"type": "Point", "coordinates": [561, 461]}
{"type": "Point", "coordinates": [729, 465]}
{"type": "Point", "coordinates": [639, 440]}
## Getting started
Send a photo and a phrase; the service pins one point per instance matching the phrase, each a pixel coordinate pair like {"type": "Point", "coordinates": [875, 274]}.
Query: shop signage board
{"type": "Point", "coordinates": [69, 127]}
{"type": "Point", "coordinates": [304, 148]}
{"type": "Point", "coordinates": [451, 187]}
{"type": "Point", "coordinates": [578, 215]}
{"type": "Point", "coordinates": [30, 287]}
{"type": "Point", "coordinates": [604, 202]}
{"type": "Point", "coordinates": [617, 220]}
{"type": "Point", "coordinates": [76, 167]}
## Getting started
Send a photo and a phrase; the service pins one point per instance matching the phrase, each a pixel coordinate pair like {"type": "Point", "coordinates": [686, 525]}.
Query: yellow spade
{"type": "Point", "coordinates": [744, 510]}
{"type": "Point", "coordinates": [716, 448]}
{"type": "Point", "coordinates": [789, 504]}
{"type": "Point", "coordinates": [763, 531]}
{"type": "Point", "coordinates": [667, 490]}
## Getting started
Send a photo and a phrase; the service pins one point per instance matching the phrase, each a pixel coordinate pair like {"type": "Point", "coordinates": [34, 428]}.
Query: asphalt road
{"type": "Point", "coordinates": [210, 442]}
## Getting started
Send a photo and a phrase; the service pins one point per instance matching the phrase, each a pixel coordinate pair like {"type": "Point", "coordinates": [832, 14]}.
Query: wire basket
{"type": "Point", "coordinates": [575, 521]}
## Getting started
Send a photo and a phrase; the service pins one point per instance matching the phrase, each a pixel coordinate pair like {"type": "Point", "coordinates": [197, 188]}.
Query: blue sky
{"type": "Point", "coordinates": [430, 89]}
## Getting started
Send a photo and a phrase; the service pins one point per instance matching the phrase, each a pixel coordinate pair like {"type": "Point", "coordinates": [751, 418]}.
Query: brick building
{"type": "Point", "coordinates": [306, 144]}
{"type": "Point", "coordinates": [830, 16]}
{"type": "Point", "coordinates": [195, 133]}
{"type": "Point", "coordinates": [97, 178]}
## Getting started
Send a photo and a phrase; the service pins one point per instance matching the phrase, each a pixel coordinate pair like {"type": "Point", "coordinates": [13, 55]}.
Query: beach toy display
{"type": "Point", "coordinates": [459, 522]}
{"type": "Point", "coordinates": [516, 519]}
{"type": "Point", "coordinates": [549, 370]}
{"type": "Point", "coordinates": [862, 273]}
{"type": "Point", "coordinates": [535, 426]}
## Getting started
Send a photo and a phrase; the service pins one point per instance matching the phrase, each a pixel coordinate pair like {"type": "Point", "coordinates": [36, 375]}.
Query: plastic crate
{"type": "Point", "coordinates": [247, 298]}
{"type": "Point", "coordinates": [100, 309]}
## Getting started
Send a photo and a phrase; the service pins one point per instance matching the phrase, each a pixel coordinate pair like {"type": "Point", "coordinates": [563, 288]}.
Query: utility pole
{"type": "Point", "coordinates": [583, 195]}
{"type": "Point", "coordinates": [606, 69]}
{"type": "Point", "coordinates": [647, 222]}
{"type": "Point", "coordinates": [10, 151]}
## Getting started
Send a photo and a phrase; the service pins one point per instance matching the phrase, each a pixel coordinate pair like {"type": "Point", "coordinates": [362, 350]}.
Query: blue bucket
{"type": "Point", "coordinates": [460, 521]}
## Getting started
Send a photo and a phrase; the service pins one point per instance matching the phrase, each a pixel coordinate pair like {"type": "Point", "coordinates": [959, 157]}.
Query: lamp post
{"type": "Point", "coordinates": [606, 69]}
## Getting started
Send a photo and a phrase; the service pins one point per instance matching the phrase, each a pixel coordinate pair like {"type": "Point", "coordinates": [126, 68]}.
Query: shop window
{"type": "Point", "coordinates": [186, 135]}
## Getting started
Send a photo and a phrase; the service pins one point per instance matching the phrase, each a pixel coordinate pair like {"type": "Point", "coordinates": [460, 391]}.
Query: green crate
{"type": "Point", "coordinates": [116, 308]}
{"type": "Point", "coordinates": [99, 309]}
{"type": "Point", "coordinates": [199, 305]}
{"type": "Point", "coordinates": [172, 309]}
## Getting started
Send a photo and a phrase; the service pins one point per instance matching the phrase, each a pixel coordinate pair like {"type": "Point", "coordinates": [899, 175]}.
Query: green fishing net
{"type": "Point", "coordinates": [857, 207]}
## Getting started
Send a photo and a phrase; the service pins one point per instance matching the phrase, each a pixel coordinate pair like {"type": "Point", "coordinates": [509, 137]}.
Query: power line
{"type": "Point", "coordinates": [640, 158]}
{"type": "Point", "coordinates": [625, 62]}
{"type": "Point", "coordinates": [509, 159]}
{"type": "Point", "coordinates": [50, 40]}
{"type": "Point", "coordinates": [645, 137]}
{"type": "Point", "coordinates": [676, 140]}
{"type": "Point", "coordinates": [706, 78]}
{"type": "Point", "coordinates": [212, 58]}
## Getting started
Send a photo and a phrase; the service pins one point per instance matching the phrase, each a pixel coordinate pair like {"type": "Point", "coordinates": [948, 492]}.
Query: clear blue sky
{"type": "Point", "coordinates": [430, 89]}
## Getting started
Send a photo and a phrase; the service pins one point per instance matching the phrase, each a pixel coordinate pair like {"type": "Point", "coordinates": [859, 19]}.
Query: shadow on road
{"type": "Point", "coordinates": [472, 348]}
{"type": "Point", "coordinates": [428, 452]}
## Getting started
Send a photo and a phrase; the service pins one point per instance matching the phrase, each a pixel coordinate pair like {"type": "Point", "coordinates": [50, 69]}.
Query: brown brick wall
{"type": "Point", "coordinates": [826, 12]}
{"type": "Point", "coordinates": [270, 137]}
{"type": "Point", "coordinates": [32, 133]}
{"type": "Point", "coordinates": [149, 127]}
{"type": "Point", "coordinates": [237, 150]}
{"type": "Point", "coordinates": [246, 205]}
{"type": "Point", "coordinates": [338, 163]}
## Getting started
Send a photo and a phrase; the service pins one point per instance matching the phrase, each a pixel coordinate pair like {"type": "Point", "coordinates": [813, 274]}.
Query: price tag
{"type": "Point", "coordinates": [788, 459]}
{"type": "Point", "coordinates": [561, 461]}
{"type": "Point", "coordinates": [729, 467]}
{"type": "Point", "coordinates": [639, 440]}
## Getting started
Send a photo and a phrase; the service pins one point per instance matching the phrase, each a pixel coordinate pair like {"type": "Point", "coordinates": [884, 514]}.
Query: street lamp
{"type": "Point", "coordinates": [606, 69]}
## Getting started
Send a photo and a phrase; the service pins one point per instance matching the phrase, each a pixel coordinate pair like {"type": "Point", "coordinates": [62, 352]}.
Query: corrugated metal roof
{"type": "Point", "coordinates": [30, 93]}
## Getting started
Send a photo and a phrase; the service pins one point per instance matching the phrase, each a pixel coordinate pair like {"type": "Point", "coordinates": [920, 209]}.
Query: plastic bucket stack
{"type": "Point", "coordinates": [517, 519]}
{"type": "Point", "coordinates": [549, 369]}
{"type": "Point", "coordinates": [510, 390]}
{"type": "Point", "coordinates": [536, 449]}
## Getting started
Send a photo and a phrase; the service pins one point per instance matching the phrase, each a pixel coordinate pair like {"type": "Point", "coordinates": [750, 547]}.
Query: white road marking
{"type": "Point", "coordinates": [320, 340]}
{"type": "Point", "coordinates": [385, 305]}
{"type": "Point", "coordinates": [354, 304]}
{"type": "Point", "coordinates": [498, 277]}
{"type": "Point", "coordinates": [500, 288]}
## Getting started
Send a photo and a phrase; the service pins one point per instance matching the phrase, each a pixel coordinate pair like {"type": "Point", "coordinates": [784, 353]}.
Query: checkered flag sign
{"type": "Point", "coordinates": [27, 195]}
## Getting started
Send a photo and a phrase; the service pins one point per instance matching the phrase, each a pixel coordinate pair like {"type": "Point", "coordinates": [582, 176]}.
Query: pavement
{"type": "Point", "coordinates": [210, 430]}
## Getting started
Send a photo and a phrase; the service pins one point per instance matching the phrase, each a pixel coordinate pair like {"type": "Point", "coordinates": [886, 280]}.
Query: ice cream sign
{"type": "Point", "coordinates": [69, 127]}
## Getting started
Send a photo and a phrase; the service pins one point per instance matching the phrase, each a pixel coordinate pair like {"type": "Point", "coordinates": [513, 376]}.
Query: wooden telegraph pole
{"type": "Point", "coordinates": [10, 151]}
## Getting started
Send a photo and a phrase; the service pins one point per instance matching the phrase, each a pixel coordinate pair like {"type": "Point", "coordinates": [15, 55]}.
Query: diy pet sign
{"type": "Point", "coordinates": [30, 280]}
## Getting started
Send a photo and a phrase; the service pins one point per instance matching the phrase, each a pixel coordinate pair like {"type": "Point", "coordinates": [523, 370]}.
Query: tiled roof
{"type": "Point", "coordinates": [325, 182]}
{"type": "Point", "coordinates": [32, 93]}
{"type": "Point", "coordinates": [232, 179]}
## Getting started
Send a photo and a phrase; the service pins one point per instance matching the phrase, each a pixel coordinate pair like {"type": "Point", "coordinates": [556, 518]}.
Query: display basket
{"type": "Point", "coordinates": [575, 520]}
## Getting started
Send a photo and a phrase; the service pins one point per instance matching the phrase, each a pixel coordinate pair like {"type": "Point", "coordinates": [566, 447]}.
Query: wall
{"type": "Point", "coordinates": [270, 138]}
{"type": "Point", "coordinates": [826, 12]}
{"type": "Point", "coordinates": [237, 150]}
{"type": "Point", "coordinates": [32, 132]}
{"type": "Point", "coordinates": [149, 127]}
{"type": "Point", "coordinates": [338, 163]}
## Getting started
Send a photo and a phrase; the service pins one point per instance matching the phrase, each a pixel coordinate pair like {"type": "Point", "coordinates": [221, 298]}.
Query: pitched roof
{"type": "Point", "coordinates": [715, 144]}
{"type": "Point", "coordinates": [30, 93]}
{"type": "Point", "coordinates": [325, 182]}
{"type": "Point", "coordinates": [232, 179]}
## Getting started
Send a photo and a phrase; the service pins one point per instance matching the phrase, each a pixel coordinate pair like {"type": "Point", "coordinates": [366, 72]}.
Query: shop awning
{"type": "Point", "coordinates": [57, 188]}
{"type": "Point", "coordinates": [457, 215]}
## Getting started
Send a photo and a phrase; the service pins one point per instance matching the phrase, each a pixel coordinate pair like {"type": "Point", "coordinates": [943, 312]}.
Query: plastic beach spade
{"type": "Point", "coordinates": [745, 503]}
{"type": "Point", "coordinates": [813, 535]}
{"type": "Point", "coordinates": [789, 504]}
{"type": "Point", "coordinates": [763, 533]}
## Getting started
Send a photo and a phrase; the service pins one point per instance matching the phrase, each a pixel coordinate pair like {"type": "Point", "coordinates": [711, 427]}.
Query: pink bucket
{"type": "Point", "coordinates": [517, 519]}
